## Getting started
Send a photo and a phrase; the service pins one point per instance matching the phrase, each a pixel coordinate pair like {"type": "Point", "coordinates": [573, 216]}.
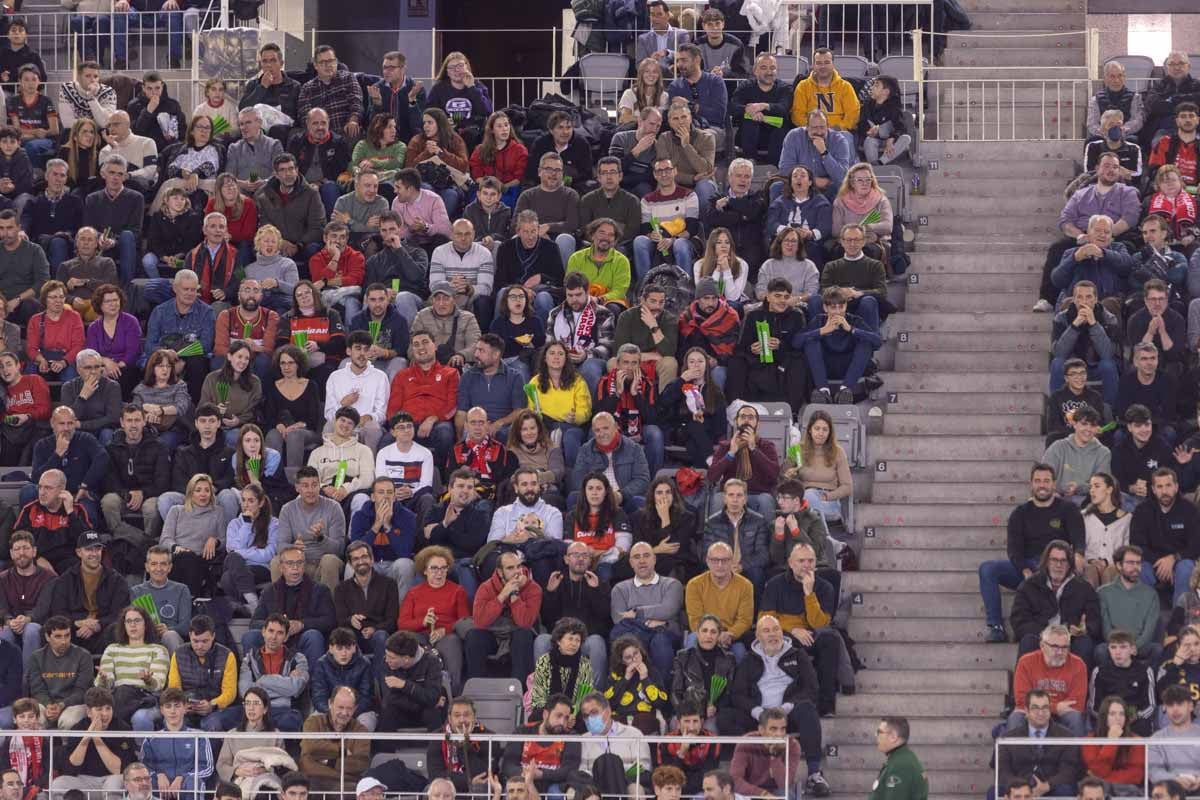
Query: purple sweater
{"type": "Point", "coordinates": [1120, 202]}
{"type": "Point", "coordinates": [124, 347]}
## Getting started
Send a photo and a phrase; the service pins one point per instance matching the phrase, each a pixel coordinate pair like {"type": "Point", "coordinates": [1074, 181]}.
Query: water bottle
{"type": "Point", "coordinates": [793, 449]}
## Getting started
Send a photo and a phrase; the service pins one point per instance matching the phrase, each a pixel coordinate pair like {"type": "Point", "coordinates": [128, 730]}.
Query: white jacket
{"type": "Point", "coordinates": [372, 386]}
{"type": "Point", "coordinates": [623, 741]}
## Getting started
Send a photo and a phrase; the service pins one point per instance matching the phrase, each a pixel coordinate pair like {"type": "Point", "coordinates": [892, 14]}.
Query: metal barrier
{"type": "Point", "coordinates": [346, 786]}
{"type": "Point", "coordinates": [1143, 743]}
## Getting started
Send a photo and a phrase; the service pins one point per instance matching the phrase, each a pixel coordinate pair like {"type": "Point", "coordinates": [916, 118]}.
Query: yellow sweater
{"type": "Point", "coordinates": [557, 403]}
{"type": "Point", "coordinates": [734, 604]}
{"type": "Point", "coordinates": [838, 100]}
{"type": "Point", "coordinates": [229, 681]}
{"type": "Point", "coordinates": [813, 617]}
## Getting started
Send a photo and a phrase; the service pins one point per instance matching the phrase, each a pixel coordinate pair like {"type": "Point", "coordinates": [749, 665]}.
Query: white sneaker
{"type": "Point", "coordinates": [1042, 307]}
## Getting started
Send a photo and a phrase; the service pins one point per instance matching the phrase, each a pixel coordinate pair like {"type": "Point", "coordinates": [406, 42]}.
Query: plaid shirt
{"type": "Point", "coordinates": [341, 98]}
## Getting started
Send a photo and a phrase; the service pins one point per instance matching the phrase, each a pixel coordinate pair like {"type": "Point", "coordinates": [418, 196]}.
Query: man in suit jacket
{"type": "Point", "coordinates": [662, 40]}
{"type": "Point", "coordinates": [1055, 767]}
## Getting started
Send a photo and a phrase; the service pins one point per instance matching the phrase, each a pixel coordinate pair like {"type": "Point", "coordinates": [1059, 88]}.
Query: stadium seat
{"type": "Point", "coordinates": [849, 66]}
{"type": "Point", "coordinates": [900, 68]}
{"type": "Point", "coordinates": [605, 76]}
{"type": "Point", "coordinates": [497, 702]}
{"type": "Point", "coordinates": [791, 67]}
{"type": "Point", "coordinates": [1138, 70]}
{"type": "Point", "coordinates": [773, 424]}
{"type": "Point", "coordinates": [850, 429]}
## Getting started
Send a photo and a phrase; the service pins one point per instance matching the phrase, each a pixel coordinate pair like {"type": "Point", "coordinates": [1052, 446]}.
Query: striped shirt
{"type": "Point", "coordinates": [122, 665]}
{"type": "Point", "coordinates": [679, 204]}
{"type": "Point", "coordinates": [476, 265]}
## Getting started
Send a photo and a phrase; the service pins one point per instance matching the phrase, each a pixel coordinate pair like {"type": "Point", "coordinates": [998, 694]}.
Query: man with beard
{"type": "Point", "coordinates": [491, 460]}
{"type": "Point", "coordinates": [330, 760]}
{"type": "Point", "coordinates": [1031, 526]}
{"type": "Point", "coordinates": [390, 532]}
{"type": "Point", "coordinates": [710, 324]}
{"type": "Point", "coordinates": [293, 207]}
{"type": "Point", "coordinates": [604, 265]}
{"type": "Point", "coordinates": [1091, 333]}
{"type": "Point", "coordinates": [21, 586]}
{"type": "Point", "coordinates": [493, 385]}
{"type": "Point", "coordinates": [578, 593]}
{"type": "Point", "coordinates": [530, 525]}
{"type": "Point", "coordinates": [752, 377]}
{"type": "Point", "coordinates": [549, 763]}
{"type": "Point", "coordinates": [693, 759]}
{"type": "Point", "coordinates": [740, 210]}
{"type": "Point", "coordinates": [458, 759]}
{"type": "Point", "coordinates": [459, 524]}
{"type": "Point", "coordinates": [141, 473]}
{"type": "Point", "coordinates": [280, 671]}
{"type": "Point", "coordinates": [250, 322]}
{"type": "Point", "coordinates": [1168, 531]}
{"type": "Point", "coordinates": [389, 341]}
{"type": "Point", "coordinates": [718, 785]}
{"type": "Point", "coordinates": [93, 763]}
{"type": "Point", "coordinates": [1055, 594]}
{"type": "Point", "coordinates": [89, 594]}
{"type": "Point", "coordinates": [761, 769]}
{"type": "Point", "coordinates": [505, 611]}
{"type": "Point", "coordinates": [1181, 147]}
{"type": "Point", "coordinates": [584, 326]}
{"type": "Point", "coordinates": [754, 100]}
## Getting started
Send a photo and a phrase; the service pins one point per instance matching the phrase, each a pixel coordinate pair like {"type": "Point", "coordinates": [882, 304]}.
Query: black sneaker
{"type": "Point", "coordinates": [816, 785]}
{"type": "Point", "coordinates": [995, 634]}
{"type": "Point", "coordinates": [821, 396]}
{"type": "Point", "coordinates": [844, 397]}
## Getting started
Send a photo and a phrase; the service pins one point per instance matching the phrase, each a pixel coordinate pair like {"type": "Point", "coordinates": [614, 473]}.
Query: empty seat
{"type": "Point", "coordinates": [849, 66]}
{"type": "Point", "coordinates": [791, 67]}
{"type": "Point", "coordinates": [605, 77]}
{"type": "Point", "coordinates": [1138, 70]}
{"type": "Point", "coordinates": [901, 68]}
{"type": "Point", "coordinates": [497, 702]}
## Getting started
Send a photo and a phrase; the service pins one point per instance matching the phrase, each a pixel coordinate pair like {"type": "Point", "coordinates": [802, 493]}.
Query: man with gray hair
{"type": "Point", "coordinates": [94, 397]}
{"type": "Point", "coordinates": [556, 205]}
{"type": "Point", "coordinates": [251, 158]}
{"type": "Point", "coordinates": [117, 211]}
{"type": "Point", "coordinates": [139, 152]}
{"type": "Point", "coordinates": [1114, 141]}
{"type": "Point", "coordinates": [51, 218]}
{"type": "Point", "coordinates": [1097, 258]}
{"type": "Point", "coordinates": [741, 210]}
{"type": "Point", "coordinates": [85, 273]}
{"type": "Point", "coordinates": [181, 321]}
{"type": "Point", "coordinates": [1115, 96]}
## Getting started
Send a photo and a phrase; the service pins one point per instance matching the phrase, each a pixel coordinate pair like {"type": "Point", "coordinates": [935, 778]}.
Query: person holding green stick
{"type": "Point", "coordinates": [761, 109]}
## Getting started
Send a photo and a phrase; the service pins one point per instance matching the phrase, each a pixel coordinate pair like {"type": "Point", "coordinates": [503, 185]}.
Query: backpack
{"type": "Point", "coordinates": [620, 21]}
{"type": "Point", "coordinates": [900, 261]}
{"type": "Point", "coordinates": [540, 110]}
{"type": "Point", "coordinates": [679, 286]}
{"type": "Point", "coordinates": [588, 10]}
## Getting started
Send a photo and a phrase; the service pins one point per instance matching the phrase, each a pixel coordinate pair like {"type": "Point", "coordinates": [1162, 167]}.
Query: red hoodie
{"type": "Point", "coordinates": [523, 607]}
{"type": "Point", "coordinates": [29, 395]}
{"type": "Point", "coordinates": [510, 163]}
{"type": "Point", "coordinates": [351, 266]}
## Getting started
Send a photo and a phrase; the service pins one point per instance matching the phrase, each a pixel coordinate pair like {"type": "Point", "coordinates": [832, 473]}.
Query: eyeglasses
{"type": "Point", "coordinates": [293, 563]}
{"type": "Point", "coordinates": [664, 171]}
{"type": "Point", "coordinates": [432, 568]}
{"type": "Point", "coordinates": [552, 170]}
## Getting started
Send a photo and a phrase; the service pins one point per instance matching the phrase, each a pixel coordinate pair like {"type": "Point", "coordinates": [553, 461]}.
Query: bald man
{"type": "Point", "coordinates": [469, 268]}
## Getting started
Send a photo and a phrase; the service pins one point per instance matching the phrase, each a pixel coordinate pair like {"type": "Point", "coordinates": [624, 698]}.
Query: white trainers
{"type": "Point", "coordinates": [1042, 307]}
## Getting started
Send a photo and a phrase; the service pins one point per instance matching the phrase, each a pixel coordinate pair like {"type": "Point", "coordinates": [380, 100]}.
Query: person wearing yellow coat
{"type": "Point", "coordinates": [560, 394]}
{"type": "Point", "coordinates": [825, 90]}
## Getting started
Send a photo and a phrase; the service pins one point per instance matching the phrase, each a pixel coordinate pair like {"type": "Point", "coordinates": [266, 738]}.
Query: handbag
{"type": "Point", "coordinates": [436, 174]}
{"type": "Point", "coordinates": [446, 351]}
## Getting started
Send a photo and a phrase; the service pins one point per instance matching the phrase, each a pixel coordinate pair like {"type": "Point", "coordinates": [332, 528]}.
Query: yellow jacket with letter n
{"type": "Point", "coordinates": [838, 100]}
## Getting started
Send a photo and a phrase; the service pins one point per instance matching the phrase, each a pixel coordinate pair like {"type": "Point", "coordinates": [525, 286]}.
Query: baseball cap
{"type": "Point", "coordinates": [89, 539]}
{"type": "Point", "coordinates": [367, 784]}
{"type": "Point", "coordinates": [442, 287]}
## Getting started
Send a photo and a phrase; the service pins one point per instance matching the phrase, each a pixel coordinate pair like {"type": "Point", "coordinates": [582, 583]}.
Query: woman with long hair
{"type": "Point", "coordinates": [648, 91]}
{"type": "Point", "coordinates": [825, 468]}
{"type": "Point", "coordinates": [164, 397]}
{"type": "Point", "coordinates": [251, 540]}
{"type": "Point", "coordinates": [858, 198]}
{"type": "Point", "coordinates": [117, 336]}
{"type": "Point", "coordinates": [803, 207]}
{"type": "Point", "coordinates": [667, 525]}
{"type": "Point", "coordinates": [256, 718]}
{"type": "Point", "coordinates": [316, 330]}
{"type": "Point", "coordinates": [598, 522]}
{"type": "Point", "coordinates": [380, 149]}
{"type": "Point", "coordinates": [134, 668]}
{"type": "Point", "coordinates": [693, 673]}
{"type": "Point", "coordinates": [635, 690]}
{"type": "Point", "coordinates": [437, 139]}
{"type": "Point", "coordinates": [563, 670]}
{"type": "Point", "coordinates": [561, 396]}
{"type": "Point", "coordinates": [696, 405]}
{"type": "Point", "coordinates": [240, 212]}
{"type": "Point", "coordinates": [293, 402]}
{"type": "Point", "coordinates": [193, 163]}
{"type": "Point", "coordinates": [54, 336]}
{"type": "Point", "coordinates": [721, 263]}
{"type": "Point", "coordinates": [787, 259]}
{"type": "Point", "coordinates": [234, 389]}
{"type": "Point", "coordinates": [1106, 529]}
{"type": "Point", "coordinates": [82, 154]}
{"type": "Point", "coordinates": [502, 155]}
{"type": "Point", "coordinates": [1123, 767]}
{"type": "Point", "coordinates": [195, 533]}
{"type": "Point", "coordinates": [520, 328]}
{"type": "Point", "coordinates": [456, 93]}
{"type": "Point", "coordinates": [255, 463]}
{"type": "Point", "coordinates": [530, 442]}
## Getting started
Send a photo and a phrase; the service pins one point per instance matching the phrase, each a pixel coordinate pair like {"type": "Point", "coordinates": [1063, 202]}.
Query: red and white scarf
{"type": "Point", "coordinates": [584, 324]}
{"type": "Point", "coordinates": [1180, 212]}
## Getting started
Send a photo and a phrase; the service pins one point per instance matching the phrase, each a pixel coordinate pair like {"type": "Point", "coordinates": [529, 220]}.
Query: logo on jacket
{"type": "Point", "coordinates": [825, 102]}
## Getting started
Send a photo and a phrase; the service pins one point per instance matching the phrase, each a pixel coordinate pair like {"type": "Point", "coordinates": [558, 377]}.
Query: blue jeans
{"type": "Point", "coordinates": [1182, 575]}
{"type": "Point", "coordinates": [594, 649]}
{"type": "Point", "coordinates": [68, 374]}
{"type": "Point", "coordinates": [655, 447]}
{"type": "Point", "coordinates": [145, 719]}
{"type": "Point", "coordinates": [329, 195]}
{"type": "Point", "coordinates": [661, 642]}
{"type": "Point", "coordinates": [173, 21]}
{"type": "Point", "coordinates": [407, 305]}
{"type": "Point", "coordinates": [312, 644]}
{"type": "Point", "coordinates": [440, 440]}
{"type": "Point", "coordinates": [993, 575]}
{"type": "Point", "coordinates": [31, 639]}
{"type": "Point", "coordinates": [866, 307]}
{"type": "Point", "coordinates": [39, 151]}
{"type": "Point", "coordinates": [705, 190]}
{"type": "Point", "coordinates": [566, 246]}
{"type": "Point", "coordinates": [464, 575]}
{"type": "Point", "coordinates": [125, 254]}
{"type": "Point", "coordinates": [58, 249]}
{"type": "Point", "coordinates": [543, 304]}
{"type": "Point", "coordinates": [572, 438]}
{"type": "Point", "coordinates": [1106, 370]}
{"type": "Point", "coordinates": [645, 255]}
{"type": "Point", "coordinates": [849, 366]}
{"type": "Point", "coordinates": [592, 370]}
{"type": "Point", "coordinates": [829, 509]}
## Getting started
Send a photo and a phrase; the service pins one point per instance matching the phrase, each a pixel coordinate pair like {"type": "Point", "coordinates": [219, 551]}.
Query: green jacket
{"type": "Point", "coordinates": [900, 778]}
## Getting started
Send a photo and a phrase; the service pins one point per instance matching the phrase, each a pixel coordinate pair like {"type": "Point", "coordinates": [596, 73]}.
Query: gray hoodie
{"type": "Point", "coordinates": [1166, 763]}
{"type": "Point", "coordinates": [59, 679]}
{"type": "Point", "coordinates": [1075, 464]}
{"type": "Point", "coordinates": [774, 682]}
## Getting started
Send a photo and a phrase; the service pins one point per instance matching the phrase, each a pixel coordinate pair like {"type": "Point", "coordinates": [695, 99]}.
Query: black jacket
{"type": "Point", "coordinates": [284, 96]}
{"type": "Point", "coordinates": [215, 461]}
{"type": "Point", "coordinates": [794, 662]}
{"type": "Point", "coordinates": [1036, 604]}
{"type": "Point", "coordinates": [145, 465]}
{"type": "Point", "coordinates": [333, 154]}
{"type": "Point", "coordinates": [745, 217]}
{"type": "Point", "coordinates": [145, 123]}
{"type": "Point", "coordinates": [689, 679]}
{"type": "Point", "coordinates": [1158, 533]}
{"type": "Point", "coordinates": [458, 762]}
{"type": "Point", "coordinates": [1133, 684]}
{"type": "Point", "coordinates": [1057, 766]}
{"type": "Point", "coordinates": [309, 602]}
{"type": "Point", "coordinates": [568, 761]}
{"type": "Point", "coordinates": [466, 535]}
{"type": "Point", "coordinates": [577, 599]}
{"type": "Point", "coordinates": [66, 596]}
{"type": "Point", "coordinates": [422, 684]}
{"type": "Point", "coordinates": [409, 264]}
{"type": "Point", "coordinates": [547, 262]}
{"type": "Point", "coordinates": [380, 605]}
{"type": "Point", "coordinates": [1131, 463]}
{"type": "Point", "coordinates": [174, 236]}
{"type": "Point", "coordinates": [784, 327]}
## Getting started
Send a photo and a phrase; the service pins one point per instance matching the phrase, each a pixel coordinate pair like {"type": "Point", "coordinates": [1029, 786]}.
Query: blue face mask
{"type": "Point", "coordinates": [595, 724]}
{"type": "Point", "coordinates": [1115, 133]}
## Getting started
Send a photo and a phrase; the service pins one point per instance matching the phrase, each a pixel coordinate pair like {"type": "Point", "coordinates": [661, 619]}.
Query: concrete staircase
{"type": "Point", "coordinates": [965, 375]}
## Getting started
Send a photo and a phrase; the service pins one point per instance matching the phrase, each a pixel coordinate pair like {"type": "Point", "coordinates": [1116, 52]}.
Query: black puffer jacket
{"type": "Point", "coordinates": [689, 681]}
{"type": "Point", "coordinates": [1036, 604]}
{"type": "Point", "coordinates": [192, 459]}
{"type": "Point", "coordinates": [67, 596]}
{"type": "Point", "coordinates": [145, 465]}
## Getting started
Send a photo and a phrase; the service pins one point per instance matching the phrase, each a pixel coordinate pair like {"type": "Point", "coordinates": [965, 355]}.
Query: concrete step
{"type": "Point", "coordinates": [1005, 92]}
{"type": "Point", "coordinates": [1039, 187]}
{"type": "Point", "coordinates": [925, 263]}
{"type": "Point", "coordinates": [901, 424]}
{"type": "Point", "coordinates": [952, 493]}
{"type": "Point", "coordinates": [971, 322]}
{"type": "Point", "coordinates": [1015, 154]}
{"type": "Point", "coordinates": [959, 341]}
{"type": "Point", "coordinates": [1001, 171]}
{"type": "Point", "coordinates": [1026, 21]}
{"type": "Point", "coordinates": [974, 123]}
{"type": "Point", "coordinates": [878, 558]}
{"type": "Point", "coordinates": [957, 730]}
{"type": "Point", "coordinates": [932, 514]}
{"type": "Point", "coordinates": [972, 361]}
{"type": "Point", "coordinates": [969, 244]}
{"type": "Point", "coordinates": [1026, 228]}
{"type": "Point", "coordinates": [933, 757]}
{"type": "Point", "coordinates": [927, 282]}
{"type": "Point", "coordinates": [966, 403]}
{"type": "Point", "coordinates": [1018, 204]}
{"type": "Point", "coordinates": [962, 656]}
{"type": "Point", "coordinates": [930, 583]}
{"type": "Point", "coordinates": [932, 705]}
{"type": "Point", "coordinates": [916, 537]}
{"type": "Point", "coordinates": [960, 382]}
{"type": "Point", "coordinates": [861, 781]}
{"type": "Point", "coordinates": [969, 301]}
{"type": "Point", "coordinates": [952, 472]}
{"type": "Point", "coordinates": [1041, 56]}
{"type": "Point", "coordinates": [1007, 41]}
{"type": "Point", "coordinates": [1060, 6]}
{"type": "Point", "coordinates": [913, 605]}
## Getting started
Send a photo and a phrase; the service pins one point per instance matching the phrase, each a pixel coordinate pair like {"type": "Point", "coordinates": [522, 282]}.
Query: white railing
{"type": "Point", "coordinates": [1142, 743]}
{"type": "Point", "coordinates": [493, 741]}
